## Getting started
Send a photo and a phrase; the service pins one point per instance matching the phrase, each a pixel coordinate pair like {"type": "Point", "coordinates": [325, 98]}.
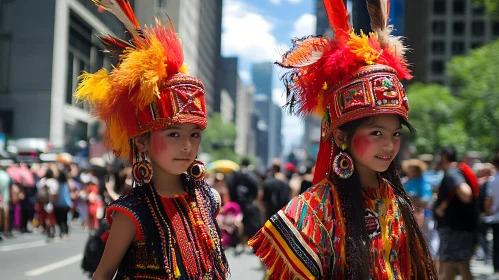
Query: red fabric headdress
{"type": "Point", "coordinates": [347, 77]}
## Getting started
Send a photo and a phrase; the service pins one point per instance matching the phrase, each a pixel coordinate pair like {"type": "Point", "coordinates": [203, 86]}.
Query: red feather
{"type": "Point", "coordinates": [338, 18]}
{"type": "Point", "coordinates": [127, 9]}
{"type": "Point", "coordinates": [399, 63]}
{"type": "Point", "coordinates": [171, 43]}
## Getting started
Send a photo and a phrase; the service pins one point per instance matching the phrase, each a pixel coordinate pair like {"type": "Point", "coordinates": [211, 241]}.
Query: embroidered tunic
{"type": "Point", "coordinates": [306, 239]}
{"type": "Point", "coordinates": [177, 237]}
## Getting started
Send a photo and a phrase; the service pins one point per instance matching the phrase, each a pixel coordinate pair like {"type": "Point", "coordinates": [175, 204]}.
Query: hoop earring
{"type": "Point", "coordinates": [142, 171]}
{"type": "Point", "coordinates": [197, 170]}
{"type": "Point", "coordinates": [343, 164]}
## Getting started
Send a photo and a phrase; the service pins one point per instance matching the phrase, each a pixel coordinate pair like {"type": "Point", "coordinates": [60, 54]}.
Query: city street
{"type": "Point", "coordinates": [30, 257]}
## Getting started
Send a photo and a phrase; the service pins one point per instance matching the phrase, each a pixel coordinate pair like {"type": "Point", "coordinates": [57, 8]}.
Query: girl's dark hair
{"type": "Point", "coordinates": [357, 241]}
{"type": "Point", "coordinates": [49, 174]}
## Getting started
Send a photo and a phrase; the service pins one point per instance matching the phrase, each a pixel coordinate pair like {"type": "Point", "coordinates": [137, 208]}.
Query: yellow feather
{"type": "Point", "coordinates": [359, 45]}
{"type": "Point", "coordinates": [93, 87]}
{"type": "Point", "coordinates": [143, 68]}
{"type": "Point", "coordinates": [118, 135]}
{"type": "Point", "coordinates": [320, 108]}
{"type": "Point", "coordinates": [184, 69]}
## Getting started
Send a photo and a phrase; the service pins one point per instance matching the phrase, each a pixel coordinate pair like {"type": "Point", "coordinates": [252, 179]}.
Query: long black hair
{"type": "Point", "coordinates": [357, 241]}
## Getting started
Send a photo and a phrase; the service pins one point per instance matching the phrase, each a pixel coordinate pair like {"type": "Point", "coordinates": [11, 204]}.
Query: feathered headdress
{"type": "Point", "coordinates": [347, 77]}
{"type": "Point", "coordinates": [149, 89]}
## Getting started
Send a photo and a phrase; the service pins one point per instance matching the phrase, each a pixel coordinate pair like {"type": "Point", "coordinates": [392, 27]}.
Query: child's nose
{"type": "Point", "coordinates": [187, 145]}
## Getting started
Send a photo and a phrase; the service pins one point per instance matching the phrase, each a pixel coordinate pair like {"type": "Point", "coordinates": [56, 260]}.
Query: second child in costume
{"type": "Point", "coordinates": [356, 221]}
{"type": "Point", "coordinates": [154, 114]}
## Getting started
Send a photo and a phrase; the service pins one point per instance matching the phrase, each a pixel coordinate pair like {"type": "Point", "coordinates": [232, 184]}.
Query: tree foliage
{"type": "Point", "coordinates": [476, 77]}
{"type": "Point", "coordinates": [491, 6]}
{"type": "Point", "coordinates": [218, 139]}
{"type": "Point", "coordinates": [432, 114]}
{"type": "Point", "coordinates": [467, 119]}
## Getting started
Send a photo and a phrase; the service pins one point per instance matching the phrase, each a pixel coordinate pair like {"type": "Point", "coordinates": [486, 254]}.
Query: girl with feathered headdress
{"type": "Point", "coordinates": [154, 114]}
{"type": "Point", "coordinates": [356, 221]}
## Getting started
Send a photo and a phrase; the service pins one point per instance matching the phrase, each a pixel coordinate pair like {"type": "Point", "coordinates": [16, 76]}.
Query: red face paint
{"type": "Point", "coordinates": [158, 144]}
{"type": "Point", "coordinates": [360, 144]}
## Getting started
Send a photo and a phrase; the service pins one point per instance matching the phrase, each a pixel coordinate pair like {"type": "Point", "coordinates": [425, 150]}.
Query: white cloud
{"type": "Point", "coordinates": [245, 76]}
{"type": "Point", "coordinates": [247, 34]}
{"type": "Point", "coordinates": [304, 26]}
{"type": "Point", "coordinates": [275, 2]}
{"type": "Point", "coordinates": [279, 96]}
{"type": "Point", "coordinates": [294, 1]}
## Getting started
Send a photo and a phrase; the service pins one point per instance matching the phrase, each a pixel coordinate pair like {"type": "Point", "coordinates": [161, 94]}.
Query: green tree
{"type": "Point", "coordinates": [218, 139]}
{"type": "Point", "coordinates": [491, 6]}
{"type": "Point", "coordinates": [476, 78]}
{"type": "Point", "coordinates": [432, 114]}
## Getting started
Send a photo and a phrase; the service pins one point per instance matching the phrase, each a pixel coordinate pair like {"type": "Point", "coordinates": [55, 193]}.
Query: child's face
{"type": "Point", "coordinates": [375, 145]}
{"type": "Point", "coordinates": [175, 148]}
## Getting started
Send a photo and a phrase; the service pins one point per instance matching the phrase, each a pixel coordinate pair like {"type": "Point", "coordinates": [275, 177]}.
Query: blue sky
{"type": "Point", "coordinates": [260, 31]}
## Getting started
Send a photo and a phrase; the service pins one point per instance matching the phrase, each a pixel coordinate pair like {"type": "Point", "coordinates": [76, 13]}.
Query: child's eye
{"type": "Point", "coordinates": [376, 133]}
{"type": "Point", "coordinates": [397, 134]}
{"type": "Point", "coordinates": [196, 135]}
{"type": "Point", "coordinates": [174, 134]}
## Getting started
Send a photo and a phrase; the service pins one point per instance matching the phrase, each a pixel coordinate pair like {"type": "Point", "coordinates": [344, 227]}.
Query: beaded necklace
{"type": "Point", "coordinates": [189, 238]}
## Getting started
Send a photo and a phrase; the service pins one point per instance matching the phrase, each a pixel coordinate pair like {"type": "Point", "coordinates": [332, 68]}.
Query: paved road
{"type": "Point", "coordinates": [30, 257]}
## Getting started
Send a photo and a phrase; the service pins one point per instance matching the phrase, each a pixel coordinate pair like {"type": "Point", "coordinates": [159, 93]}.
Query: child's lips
{"type": "Point", "coordinates": [387, 158]}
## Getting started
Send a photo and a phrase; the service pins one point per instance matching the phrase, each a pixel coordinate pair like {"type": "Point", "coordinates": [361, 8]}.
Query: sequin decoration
{"type": "Point", "coordinates": [385, 91]}
{"type": "Point", "coordinates": [197, 170]}
{"type": "Point", "coordinates": [142, 172]}
{"type": "Point", "coordinates": [343, 165]}
{"type": "Point", "coordinates": [354, 97]}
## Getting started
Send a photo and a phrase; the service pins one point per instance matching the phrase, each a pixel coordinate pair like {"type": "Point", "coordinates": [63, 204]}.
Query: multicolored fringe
{"type": "Point", "coordinates": [306, 239]}
{"type": "Point", "coordinates": [296, 242]}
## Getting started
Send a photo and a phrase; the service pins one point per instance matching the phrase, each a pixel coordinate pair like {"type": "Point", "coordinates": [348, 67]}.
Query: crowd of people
{"type": "Point", "coordinates": [457, 200]}
{"type": "Point", "coordinates": [45, 198]}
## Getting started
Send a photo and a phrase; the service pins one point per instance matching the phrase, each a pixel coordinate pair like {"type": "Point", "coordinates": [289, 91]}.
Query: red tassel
{"type": "Point", "coordinates": [323, 165]}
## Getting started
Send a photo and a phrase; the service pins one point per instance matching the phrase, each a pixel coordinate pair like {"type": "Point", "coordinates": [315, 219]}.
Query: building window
{"type": "Point", "coordinates": [6, 122]}
{"type": "Point", "coordinates": [5, 41]}
{"type": "Point", "coordinates": [439, 7]}
{"type": "Point", "coordinates": [477, 28]}
{"type": "Point", "coordinates": [437, 67]}
{"type": "Point", "coordinates": [457, 48]}
{"type": "Point", "coordinates": [439, 27]}
{"type": "Point", "coordinates": [438, 47]}
{"type": "Point", "coordinates": [475, 45]}
{"type": "Point", "coordinates": [478, 10]}
{"type": "Point", "coordinates": [74, 132]}
{"type": "Point", "coordinates": [495, 28]}
{"type": "Point", "coordinates": [458, 28]}
{"type": "Point", "coordinates": [84, 55]}
{"type": "Point", "coordinates": [161, 3]}
{"type": "Point", "coordinates": [459, 7]}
